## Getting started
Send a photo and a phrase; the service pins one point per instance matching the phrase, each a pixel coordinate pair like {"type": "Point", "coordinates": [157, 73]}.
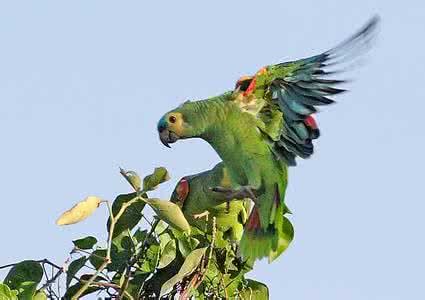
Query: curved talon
{"type": "Point", "coordinates": [202, 215]}
{"type": "Point", "coordinates": [251, 194]}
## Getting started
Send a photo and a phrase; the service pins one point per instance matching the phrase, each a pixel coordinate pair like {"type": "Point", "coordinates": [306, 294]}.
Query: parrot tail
{"type": "Point", "coordinates": [258, 242]}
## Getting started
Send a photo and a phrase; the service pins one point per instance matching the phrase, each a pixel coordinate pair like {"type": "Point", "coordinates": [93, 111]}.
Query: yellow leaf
{"type": "Point", "coordinates": [80, 211]}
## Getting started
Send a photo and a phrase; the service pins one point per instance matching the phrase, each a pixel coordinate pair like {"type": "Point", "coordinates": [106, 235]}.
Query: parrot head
{"type": "Point", "coordinates": [193, 119]}
{"type": "Point", "coordinates": [170, 128]}
{"type": "Point", "coordinates": [179, 123]}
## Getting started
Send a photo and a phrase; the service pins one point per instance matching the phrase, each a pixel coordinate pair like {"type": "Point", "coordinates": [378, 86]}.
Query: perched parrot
{"type": "Point", "coordinates": [258, 130]}
{"type": "Point", "coordinates": [199, 203]}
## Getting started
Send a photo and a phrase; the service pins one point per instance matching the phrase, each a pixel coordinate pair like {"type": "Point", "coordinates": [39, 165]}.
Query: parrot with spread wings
{"type": "Point", "coordinates": [259, 128]}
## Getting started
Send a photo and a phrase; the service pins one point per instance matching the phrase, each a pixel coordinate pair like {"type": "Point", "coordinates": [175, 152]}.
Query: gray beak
{"type": "Point", "coordinates": [167, 137]}
{"type": "Point", "coordinates": [163, 136]}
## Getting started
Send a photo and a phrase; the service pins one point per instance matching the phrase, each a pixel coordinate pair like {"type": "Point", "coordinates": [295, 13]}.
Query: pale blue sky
{"type": "Point", "coordinates": [83, 83]}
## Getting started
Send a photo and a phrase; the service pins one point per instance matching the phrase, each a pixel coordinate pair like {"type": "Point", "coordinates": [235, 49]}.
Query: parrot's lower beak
{"type": "Point", "coordinates": [167, 137]}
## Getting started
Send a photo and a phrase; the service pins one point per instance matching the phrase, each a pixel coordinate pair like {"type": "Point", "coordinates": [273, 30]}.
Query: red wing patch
{"type": "Point", "coordinates": [254, 220]}
{"type": "Point", "coordinates": [253, 83]}
{"type": "Point", "coordinates": [310, 122]}
{"type": "Point", "coordinates": [251, 87]}
{"type": "Point", "coordinates": [182, 190]}
{"type": "Point", "coordinates": [277, 197]}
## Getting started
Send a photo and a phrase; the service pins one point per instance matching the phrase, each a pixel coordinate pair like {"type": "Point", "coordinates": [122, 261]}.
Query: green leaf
{"type": "Point", "coordinates": [97, 258]}
{"type": "Point", "coordinates": [170, 213]}
{"type": "Point", "coordinates": [190, 264]}
{"type": "Point", "coordinates": [72, 290]}
{"type": "Point", "coordinates": [153, 252]}
{"type": "Point", "coordinates": [85, 243]}
{"type": "Point", "coordinates": [151, 260]}
{"type": "Point", "coordinates": [254, 290]}
{"type": "Point", "coordinates": [159, 176]}
{"type": "Point", "coordinates": [161, 227]}
{"type": "Point", "coordinates": [131, 216]}
{"type": "Point", "coordinates": [140, 235]}
{"type": "Point", "coordinates": [7, 294]}
{"type": "Point", "coordinates": [164, 238]}
{"type": "Point", "coordinates": [119, 259]}
{"type": "Point", "coordinates": [168, 254]}
{"type": "Point", "coordinates": [121, 251]}
{"type": "Point", "coordinates": [73, 269]}
{"type": "Point", "coordinates": [132, 178]}
{"type": "Point", "coordinates": [40, 295]}
{"type": "Point", "coordinates": [187, 244]}
{"type": "Point", "coordinates": [135, 285]}
{"type": "Point", "coordinates": [24, 277]}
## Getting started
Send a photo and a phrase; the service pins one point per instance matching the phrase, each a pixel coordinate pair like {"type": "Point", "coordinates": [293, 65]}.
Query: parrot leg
{"type": "Point", "coordinates": [202, 215]}
{"type": "Point", "coordinates": [241, 193]}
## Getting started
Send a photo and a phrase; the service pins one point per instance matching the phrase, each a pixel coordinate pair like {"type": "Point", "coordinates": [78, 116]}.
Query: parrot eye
{"type": "Point", "coordinates": [172, 119]}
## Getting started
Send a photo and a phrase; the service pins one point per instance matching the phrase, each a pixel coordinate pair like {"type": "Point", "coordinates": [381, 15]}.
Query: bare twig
{"type": "Point", "coordinates": [126, 280]}
{"type": "Point", "coordinates": [86, 252]}
{"type": "Point", "coordinates": [110, 285]}
{"type": "Point", "coordinates": [41, 261]}
{"type": "Point", "coordinates": [147, 220]}
{"type": "Point", "coordinates": [226, 296]}
{"type": "Point", "coordinates": [52, 280]}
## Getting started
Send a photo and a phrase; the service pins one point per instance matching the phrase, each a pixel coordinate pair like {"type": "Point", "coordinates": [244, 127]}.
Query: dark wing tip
{"type": "Point", "coordinates": [359, 42]}
{"type": "Point", "coordinates": [373, 22]}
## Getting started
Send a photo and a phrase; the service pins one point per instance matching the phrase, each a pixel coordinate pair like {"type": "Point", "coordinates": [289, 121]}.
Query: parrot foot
{"type": "Point", "coordinates": [242, 193]}
{"type": "Point", "coordinates": [202, 215]}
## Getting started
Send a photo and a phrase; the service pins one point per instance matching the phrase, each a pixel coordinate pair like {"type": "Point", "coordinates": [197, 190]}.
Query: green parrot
{"type": "Point", "coordinates": [200, 204]}
{"type": "Point", "coordinates": [258, 130]}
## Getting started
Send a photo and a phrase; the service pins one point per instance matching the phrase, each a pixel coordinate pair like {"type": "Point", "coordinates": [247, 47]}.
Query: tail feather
{"type": "Point", "coordinates": [258, 242]}
{"type": "Point", "coordinates": [286, 235]}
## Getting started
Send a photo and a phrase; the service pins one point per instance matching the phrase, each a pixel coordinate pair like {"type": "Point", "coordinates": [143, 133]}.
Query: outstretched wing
{"type": "Point", "coordinates": [284, 96]}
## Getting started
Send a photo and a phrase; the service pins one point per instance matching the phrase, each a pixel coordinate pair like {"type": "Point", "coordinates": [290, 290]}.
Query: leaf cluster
{"type": "Point", "coordinates": [167, 258]}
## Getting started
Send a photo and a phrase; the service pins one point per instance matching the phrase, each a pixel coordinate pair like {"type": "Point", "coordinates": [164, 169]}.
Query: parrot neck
{"type": "Point", "coordinates": [217, 131]}
{"type": "Point", "coordinates": [229, 131]}
{"type": "Point", "coordinates": [204, 115]}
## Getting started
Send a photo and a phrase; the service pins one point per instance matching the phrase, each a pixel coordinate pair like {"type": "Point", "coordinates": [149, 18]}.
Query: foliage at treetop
{"type": "Point", "coordinates": [168, 259]}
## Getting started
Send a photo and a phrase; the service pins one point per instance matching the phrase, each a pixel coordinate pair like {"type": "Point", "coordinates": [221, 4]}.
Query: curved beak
{"type": "Point", "coordinates": [167, 137]}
